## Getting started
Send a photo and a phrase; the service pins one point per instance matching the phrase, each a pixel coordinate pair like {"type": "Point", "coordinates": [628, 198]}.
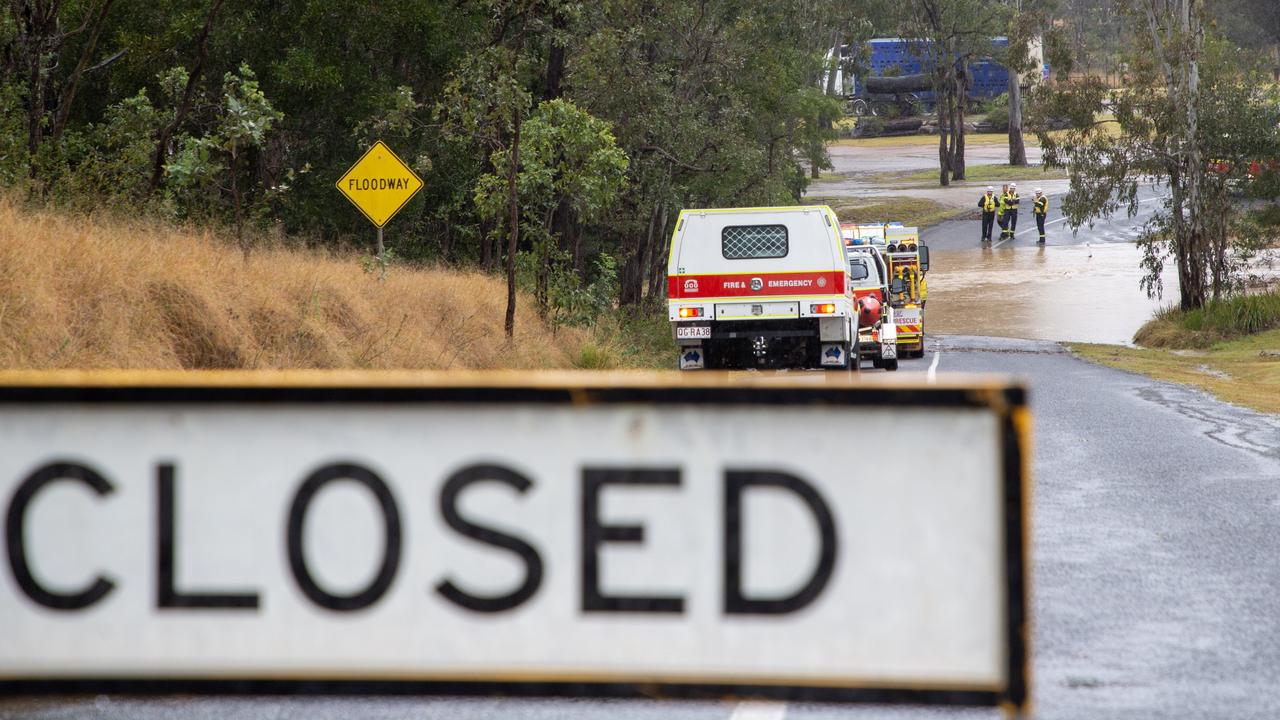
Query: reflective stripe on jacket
{"type": "Point", "coordinates": [987, 203]}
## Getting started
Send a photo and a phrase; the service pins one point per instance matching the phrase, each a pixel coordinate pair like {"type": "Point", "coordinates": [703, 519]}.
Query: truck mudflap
{"type": "Point", "coordinates": [889, 336]}
{"type": "Point", "coordinates": [692, 358]}
{"type": "Point", "coordinates": [834, 355]}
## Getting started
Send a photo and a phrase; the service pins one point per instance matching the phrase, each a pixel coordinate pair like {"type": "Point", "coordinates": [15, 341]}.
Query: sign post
{"type": "Point", "coordinates": [379, 184]}
{"type": "Point", "coordinates": [565, 534]}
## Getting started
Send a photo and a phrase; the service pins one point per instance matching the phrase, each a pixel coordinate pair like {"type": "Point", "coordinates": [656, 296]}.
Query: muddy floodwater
{"type": "Point", "coordinates": [1069, 293]}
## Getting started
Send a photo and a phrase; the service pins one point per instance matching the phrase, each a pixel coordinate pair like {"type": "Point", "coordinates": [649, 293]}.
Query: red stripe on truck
{"type": "Point", "coordinates": [689, 287]}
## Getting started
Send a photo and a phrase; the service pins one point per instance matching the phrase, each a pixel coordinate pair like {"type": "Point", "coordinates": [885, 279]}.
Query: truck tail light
{"type": "Point", "coordinates": [822, 309]}
{"type": "Point", "coordinates": [690, 312]}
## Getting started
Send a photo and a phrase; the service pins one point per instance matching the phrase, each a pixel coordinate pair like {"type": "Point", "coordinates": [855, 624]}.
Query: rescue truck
{"type": "Point", "coordinates": [761, 287]}
{"type": "Point", "coordinates": [869, 275]}
{"type": "Point", "coordinates": [906, 261]}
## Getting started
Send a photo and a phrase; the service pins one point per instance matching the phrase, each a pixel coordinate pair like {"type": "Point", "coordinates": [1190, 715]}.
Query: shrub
{"type": "Point", "coordinates": [1219, 320]}
{"type": "Point", "coordinates": [997, 112]}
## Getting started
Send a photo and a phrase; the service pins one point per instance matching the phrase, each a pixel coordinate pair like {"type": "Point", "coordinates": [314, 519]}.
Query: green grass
{"type": "Point", "coordinates": [1228, 319]}
{"type": "Point", "coordinates": [1244, 371]}
{"type": "Point", "coordinates": [920, 212]}
{"type": "Point", "coordinates": [630, 338]}
{"type": "Point", "coordinates": [987, 174]}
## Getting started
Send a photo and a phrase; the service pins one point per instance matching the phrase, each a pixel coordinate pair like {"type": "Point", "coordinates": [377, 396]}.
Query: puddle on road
{"type": "Point", "coordinates": [1050, 293]}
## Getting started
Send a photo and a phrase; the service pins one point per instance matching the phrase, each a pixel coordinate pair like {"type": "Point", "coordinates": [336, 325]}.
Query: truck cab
{"type": "Point", "coordinates": [761, 288]}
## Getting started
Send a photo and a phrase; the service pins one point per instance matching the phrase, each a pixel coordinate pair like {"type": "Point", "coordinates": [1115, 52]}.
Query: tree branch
{"type": "Point", "coordinates": [73, 83]}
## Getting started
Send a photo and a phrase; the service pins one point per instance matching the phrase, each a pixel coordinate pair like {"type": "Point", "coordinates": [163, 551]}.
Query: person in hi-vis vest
{"type": "Point", "coordinates": [988, 203]}
{"type": "Point", "coordinates": [1001, 220]}
{"type": "Point", "coordinates": [1040, 208]}
{"type": "Point", "coordinates": [1010, 203]}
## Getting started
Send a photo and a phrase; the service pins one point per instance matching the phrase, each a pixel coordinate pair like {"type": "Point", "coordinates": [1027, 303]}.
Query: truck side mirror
{"type": "Point", "coordinates": [924, 258]}
{"type": "Point", "coordinates": [897, 287]}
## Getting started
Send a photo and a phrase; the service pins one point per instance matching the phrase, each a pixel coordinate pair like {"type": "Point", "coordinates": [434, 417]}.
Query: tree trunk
{"type": "Point", "coordinates": [73, 83]}
{"type": "Point", "coordinates": [165, 134]}
{"type": "Point", "coordinates": [833, 66]}
{"type": "Point", "coordinates": [944, 133]}
{"type": "Point", "coordinates": [486, 245]}
{"type": "Point", "coordinates": [657, 271]}
{"type": "Point", "coordinates": [1194, 295]}
{"type": "Point", "coordinates": [1017, 146]}
{"type": "Point", "coordinates": [37, 25]}
{"type": "Point", "coordinates": [513, 234]}
{"type": "Point", "coordinates": [235, 196]}
{"type": "Point", "coordinates": [35, 108]}
{"type": "Point", "coordinates": [555, 58]}
{"type": "Point", "coordinates": [650, 249]}
{"type": "Point", "coordinates": [957, 125]}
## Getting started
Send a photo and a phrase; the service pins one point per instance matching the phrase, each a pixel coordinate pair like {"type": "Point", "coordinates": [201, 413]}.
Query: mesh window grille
{"type": "Point", "coordinates": [741, 242]}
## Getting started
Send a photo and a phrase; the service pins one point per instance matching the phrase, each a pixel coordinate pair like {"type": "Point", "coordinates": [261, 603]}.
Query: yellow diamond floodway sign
{"type": "Point", "coordinates": [379, 184]}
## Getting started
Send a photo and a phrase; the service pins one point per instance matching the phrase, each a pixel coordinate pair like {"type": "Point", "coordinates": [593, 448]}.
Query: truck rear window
{"type": "Point", "coordinates": [743, 242]}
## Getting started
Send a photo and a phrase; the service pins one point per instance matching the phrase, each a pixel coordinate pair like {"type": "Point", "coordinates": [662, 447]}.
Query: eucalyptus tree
{"type": "Point", "coordinates": [1193, 117]}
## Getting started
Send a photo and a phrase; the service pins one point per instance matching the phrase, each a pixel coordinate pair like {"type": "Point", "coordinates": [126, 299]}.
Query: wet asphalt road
{"type": "Point", "coordinates": [1119, 228]}
{"type": "Point", "coordinates": [1156, 531]}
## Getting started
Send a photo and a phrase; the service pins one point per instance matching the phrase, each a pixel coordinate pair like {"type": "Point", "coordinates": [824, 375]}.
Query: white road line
{"type": "Point", "coordinates": [759, 710]}
{"type": "Point", "coordinates": [933, 366]}
{"type": "Point", "coordinates": [1053, 222]}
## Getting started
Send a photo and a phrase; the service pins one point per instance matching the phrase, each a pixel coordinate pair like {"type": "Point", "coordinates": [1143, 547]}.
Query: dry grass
{"type": "Point", "coordinates": [918, 140]}
{"type": "Point", "coordinates": [89, 292]}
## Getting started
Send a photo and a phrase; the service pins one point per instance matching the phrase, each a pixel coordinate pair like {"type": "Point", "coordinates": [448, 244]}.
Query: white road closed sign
{"type": "Point", "coordinates": [600, 535]}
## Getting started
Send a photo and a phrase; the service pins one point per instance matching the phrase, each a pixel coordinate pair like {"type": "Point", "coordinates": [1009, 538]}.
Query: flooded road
{"type": "Point", "coordinates": [1071, 293]}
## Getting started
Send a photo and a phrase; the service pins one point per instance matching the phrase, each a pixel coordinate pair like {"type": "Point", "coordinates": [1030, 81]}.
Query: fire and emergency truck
{"type": "Point", "coordinates": [905, 263]}
{"type": "Point", "coordinates": [761, 287]}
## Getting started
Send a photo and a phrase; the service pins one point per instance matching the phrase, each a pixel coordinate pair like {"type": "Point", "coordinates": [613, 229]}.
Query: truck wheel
{"type": "Point", "coordinates": [891, 365]}
{"type": "Point", "coordinates": [877, 363]}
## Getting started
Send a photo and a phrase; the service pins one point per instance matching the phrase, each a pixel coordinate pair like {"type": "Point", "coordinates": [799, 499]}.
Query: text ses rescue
{"type": "Point", "coordinates": [594, 534]}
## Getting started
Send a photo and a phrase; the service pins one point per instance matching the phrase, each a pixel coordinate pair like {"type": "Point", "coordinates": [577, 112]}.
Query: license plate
{"type": "Point", "coordinates": [697, 331]}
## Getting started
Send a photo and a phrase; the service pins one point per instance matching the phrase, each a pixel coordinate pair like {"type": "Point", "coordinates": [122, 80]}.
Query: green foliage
{"type": "Point", "coordinates": [247, 115]}
{"type": "Point", "coordinates": [656, 106]}
{"type": "Point", "coordinates": [370, 264]}
{"type": "Point", "coordinates": [1199, 143]}
{"type": "Point", "coordinates": [997, 112]}
{"type": "Point", "coordinates": [1218, 321]}
{"type": "Point", "coordinates": [13, 145]}
{"type": "Point", "coordinates": [572, 299]}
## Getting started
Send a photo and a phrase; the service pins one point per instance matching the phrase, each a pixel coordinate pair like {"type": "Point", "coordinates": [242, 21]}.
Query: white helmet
{"type": "Point", "coordinates": [990, 189]}
{"type": "Point", "coordinates": [1013, 186]}
{"type": "Point", "coordinates": [1039, 191]}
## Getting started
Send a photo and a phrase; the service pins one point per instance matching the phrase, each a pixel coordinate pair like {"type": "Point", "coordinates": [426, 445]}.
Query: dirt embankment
{"type": "Point", "coordinates": [84, 292]}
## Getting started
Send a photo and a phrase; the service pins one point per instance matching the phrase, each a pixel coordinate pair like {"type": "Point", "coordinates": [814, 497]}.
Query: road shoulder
{"type": "Point", "coordinates": [1244, 372]}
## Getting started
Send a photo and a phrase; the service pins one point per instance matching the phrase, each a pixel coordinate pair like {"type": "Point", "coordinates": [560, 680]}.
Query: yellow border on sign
{"type": "Point", "coordinates": [986, 389]}
{"type": "Point", "coordinates": [338, 183]}
{"type": "Point", "coordinates": [398, 674]}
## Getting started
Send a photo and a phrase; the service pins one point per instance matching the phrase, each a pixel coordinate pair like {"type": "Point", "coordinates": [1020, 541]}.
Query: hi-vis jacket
{"type": "Point", "coordinates": [988, 203]}
{"type": "Point", "coordinates": [1041, 205]}
{"type": "Point", "coordinates": [1009, 203]}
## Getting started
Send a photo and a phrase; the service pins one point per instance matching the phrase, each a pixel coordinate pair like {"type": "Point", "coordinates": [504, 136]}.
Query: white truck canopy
{"type": "Point", "coordinates": [797, 251]}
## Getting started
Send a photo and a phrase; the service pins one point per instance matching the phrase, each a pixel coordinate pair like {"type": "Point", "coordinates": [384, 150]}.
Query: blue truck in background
{"type": "Point", "coordinates": [898, 76]}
